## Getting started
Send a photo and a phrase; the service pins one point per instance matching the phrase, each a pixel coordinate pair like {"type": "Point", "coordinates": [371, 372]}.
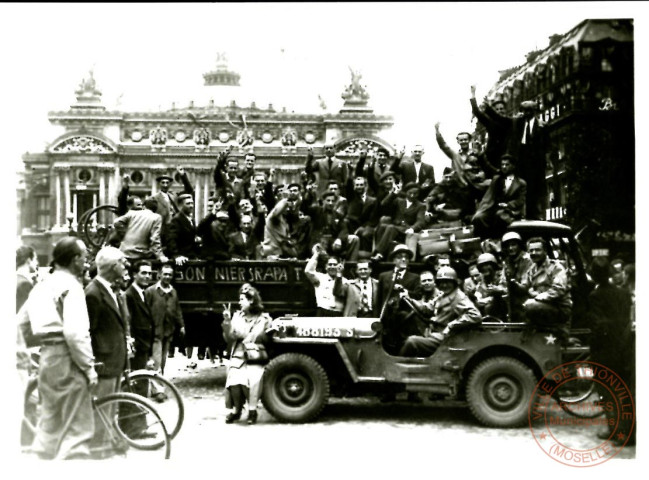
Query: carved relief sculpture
{"type": "Point", "coordinates": [158, 137]}
{"type": "Point", "coordinates": [202, 136]}
{"type": "Point", "coordinates": [244, 137]}
{"type": "Point", "coordinates": [289, 138]}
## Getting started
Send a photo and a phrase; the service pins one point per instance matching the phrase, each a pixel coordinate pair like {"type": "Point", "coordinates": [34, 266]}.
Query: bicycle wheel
{"type": "Point", "coordinates": [31, 407]}
{"type": "Point", "coordinates": [579, 397]}
{"type": "Point", "coordinates": [169, 402]}
{"type": "Point", "coordinates": [132, 418]}
{"type": "Point", "coordinates": [579, 389]}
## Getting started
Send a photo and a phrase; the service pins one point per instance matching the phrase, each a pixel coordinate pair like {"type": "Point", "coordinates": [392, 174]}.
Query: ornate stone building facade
{"type": "Point", "coordinates": [83, 167]}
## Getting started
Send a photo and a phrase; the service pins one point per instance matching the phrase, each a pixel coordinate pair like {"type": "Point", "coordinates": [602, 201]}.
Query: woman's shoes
{"type": "Point", "coordinates": [232, 417]}
{"type": "Point", "coordinates": [252, 417]}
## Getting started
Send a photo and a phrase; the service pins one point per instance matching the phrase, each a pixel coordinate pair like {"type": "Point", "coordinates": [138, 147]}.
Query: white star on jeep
{"type": "Point", "coordinates": [549, 340]}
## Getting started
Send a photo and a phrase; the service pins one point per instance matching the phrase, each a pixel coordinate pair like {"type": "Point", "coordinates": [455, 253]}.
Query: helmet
{"type": "Point", "coordinates": [486, 258]}
{"type": "Point", "coordinates": [446, 273]}
{"type": "Point", "coordinates": [512, 236]}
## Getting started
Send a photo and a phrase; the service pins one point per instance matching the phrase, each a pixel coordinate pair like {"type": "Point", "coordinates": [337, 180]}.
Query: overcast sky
{"type": "Point", "coordinates": [417, 60]}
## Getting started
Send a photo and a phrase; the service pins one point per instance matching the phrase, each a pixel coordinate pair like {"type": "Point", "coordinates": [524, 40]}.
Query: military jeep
{"type": "Point", "coordinates": [492, 367]}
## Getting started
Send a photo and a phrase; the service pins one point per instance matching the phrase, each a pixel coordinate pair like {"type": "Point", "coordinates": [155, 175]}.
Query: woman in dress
{"type": "Point", "coordinates": [247, 326]}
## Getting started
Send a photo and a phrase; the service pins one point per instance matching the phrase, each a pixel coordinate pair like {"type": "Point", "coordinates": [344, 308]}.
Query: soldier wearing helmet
{"type": "Point", "coordinates": [516, 264]}
{"type": "Point", "coordinates": [451, 309]}
{"type": "Point", "coordinates": [491, 290]}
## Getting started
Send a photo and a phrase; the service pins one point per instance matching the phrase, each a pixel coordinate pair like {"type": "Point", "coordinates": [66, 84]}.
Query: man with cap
{"type": "Point", "coordinates": [503, 202]}
{"type": "Point", "coordinates": [330, 228]}
{"type": "Point", "coordinates": [451, 309]}
{"type": "Point", "coordinates": [392, 314]}
{"type": "Point", "coordinates": [168, 200]}
{"type": "Point", "coordinates": [416, 171]}
{"type": "Point", "coordinates": [183, 242]}
{"type": "Point", "coordinates": [327, 168]}
{"type": "Point", "coordinates": [66, 375]}
{"type": "Point", "coordinates": [380, 164]}
{"type": "Point", "coordinates": [408, 217]}
{"type": "Point", "coordinates": [213, 231]}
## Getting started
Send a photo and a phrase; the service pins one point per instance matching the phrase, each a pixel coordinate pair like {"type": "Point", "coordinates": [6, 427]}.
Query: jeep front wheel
{"type": "Point", "coordinates": [499, 391]}
{"type": "Point", "coordinates": [296, 388]}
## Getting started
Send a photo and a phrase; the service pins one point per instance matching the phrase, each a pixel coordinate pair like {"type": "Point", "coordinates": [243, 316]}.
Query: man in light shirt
{"type": "Point", "coordinates": [58, 314]}
{"type": "Point", "coordinates": [329, 304]}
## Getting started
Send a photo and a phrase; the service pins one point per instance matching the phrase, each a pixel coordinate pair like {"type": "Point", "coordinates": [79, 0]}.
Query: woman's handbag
{"type": "Point", "coordinates": [255, 353]}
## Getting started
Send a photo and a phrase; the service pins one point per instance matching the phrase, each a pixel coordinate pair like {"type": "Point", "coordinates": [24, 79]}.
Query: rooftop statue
{"type": "Point", "coordinates": [355, 92]}
{"type": "Point", "coordinates": [88, 86]}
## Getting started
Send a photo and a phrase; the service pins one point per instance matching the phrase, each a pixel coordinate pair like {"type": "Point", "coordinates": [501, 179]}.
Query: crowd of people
{"type": "Point", "coordinates": [348, 207]}
{"type": "Point", "coordinates": [364, 211]}
{"type": "Point", "coordinates": [89, 330]}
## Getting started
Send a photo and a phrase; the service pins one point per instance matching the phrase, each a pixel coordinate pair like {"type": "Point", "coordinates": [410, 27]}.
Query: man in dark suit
{"type": "Point", "coordinates": [418, 172]}
{"type": "Point", "coordinates": [395, 331]}
{"type": "Point", "coordinates": [244, 244]}
{"type": "Point", "coordinates": [141, 322]}
{"type": "Point", "coordinates": [108, 329]}
{"type": "Point", "coordinates": [213, 230]}
{"type": "Point", "coordinates": [380, 164]}
{"type": "Point", "coordinates": [183, 244]}
{"type": "Point", "coordinates": [503, 202]}
{"type": "Point", "coordinates": [409, 217]}
{"type": "Point", "coordinates": [168, 200]}
{"type": "Point", "coordinates": [360, 214]}
{"type": "Point", "coordinates": [327, 168]}
{"type": "Point", "coordinates": [524, 139]}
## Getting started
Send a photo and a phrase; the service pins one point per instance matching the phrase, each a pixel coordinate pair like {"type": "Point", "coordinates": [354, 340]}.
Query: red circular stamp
{"type": "Point", "coordinates": [577, 397]}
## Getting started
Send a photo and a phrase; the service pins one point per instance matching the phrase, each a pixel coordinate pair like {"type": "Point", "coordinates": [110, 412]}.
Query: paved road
{"type": "Point", "coordinates": [350, 430]}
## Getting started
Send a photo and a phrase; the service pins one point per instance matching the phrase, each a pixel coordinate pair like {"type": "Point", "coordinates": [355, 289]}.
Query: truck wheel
{"type": "Point", "coordinates": [499, 391]}
{"type": "Point", "coordinates": [296, 388]}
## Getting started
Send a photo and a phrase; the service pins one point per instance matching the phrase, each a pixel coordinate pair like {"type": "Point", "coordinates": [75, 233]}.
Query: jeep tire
{"type": "Point", "coordinates": [499, 391]}
{"type": "Point", "coordinates": [296, 388]}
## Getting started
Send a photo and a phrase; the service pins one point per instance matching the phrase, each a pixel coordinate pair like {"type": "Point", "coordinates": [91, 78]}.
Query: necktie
{"type": "Point", "coordinates": [365, 300]}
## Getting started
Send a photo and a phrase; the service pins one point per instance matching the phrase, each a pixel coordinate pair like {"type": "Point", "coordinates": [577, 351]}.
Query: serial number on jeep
{"type": "Point", "coordinates": [324, 332]}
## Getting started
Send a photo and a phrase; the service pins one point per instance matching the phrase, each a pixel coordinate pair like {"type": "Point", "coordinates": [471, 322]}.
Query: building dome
{"type": "Point", "coordinates": [221, 88]}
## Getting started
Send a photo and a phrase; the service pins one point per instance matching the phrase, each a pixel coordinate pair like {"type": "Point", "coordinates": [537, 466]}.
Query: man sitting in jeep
{"type": "Point", "coordinates": [451, 309]}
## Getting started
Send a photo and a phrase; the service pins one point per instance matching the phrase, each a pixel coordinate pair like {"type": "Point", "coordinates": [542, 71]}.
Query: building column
{"type": "Point", "coordinates": [102, 186]}
{"type": "Point", "coordinates": [57, 191]}
{"type": "Point", "coordinates": [66, 193]}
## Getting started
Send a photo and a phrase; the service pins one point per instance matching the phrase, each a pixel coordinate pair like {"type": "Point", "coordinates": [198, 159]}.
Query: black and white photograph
{"type": "Point", "coordinates": [295, 240]}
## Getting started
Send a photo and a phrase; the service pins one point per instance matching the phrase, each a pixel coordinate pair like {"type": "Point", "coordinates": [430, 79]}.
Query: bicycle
{"type": "Point", "coordinates": [152, 385]}
{"type": "Point", "coordinates": [117, 412]}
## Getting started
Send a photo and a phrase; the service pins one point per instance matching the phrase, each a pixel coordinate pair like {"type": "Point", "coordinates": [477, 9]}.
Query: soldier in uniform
{"type": "Point", "coordinates": [451, 309]}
